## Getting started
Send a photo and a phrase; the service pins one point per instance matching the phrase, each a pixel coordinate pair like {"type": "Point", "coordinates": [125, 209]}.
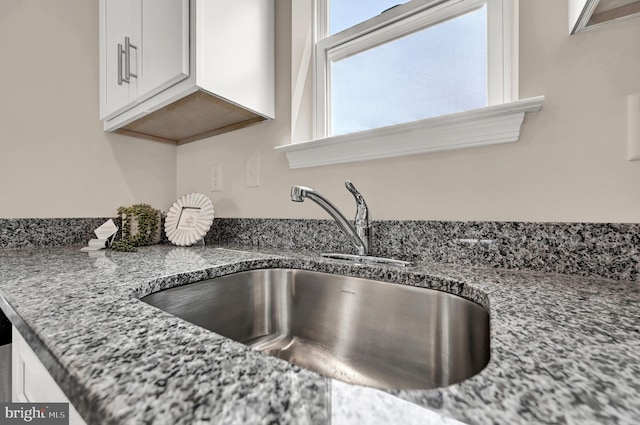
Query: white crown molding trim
{"type": "Point", "coordinates": [479, 127]}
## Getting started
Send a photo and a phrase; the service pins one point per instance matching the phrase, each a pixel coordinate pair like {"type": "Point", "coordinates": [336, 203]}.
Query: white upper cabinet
{"type": "Point", "coordinates": [181, 70]}
{"type": "Point", "coordinates": [145, 49]}
{"type": "Point", "coordinates": [587, 14]}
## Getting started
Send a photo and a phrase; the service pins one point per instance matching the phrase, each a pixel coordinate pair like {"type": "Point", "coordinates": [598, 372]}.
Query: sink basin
{"type": "Point", "coordinates": [360, 331]}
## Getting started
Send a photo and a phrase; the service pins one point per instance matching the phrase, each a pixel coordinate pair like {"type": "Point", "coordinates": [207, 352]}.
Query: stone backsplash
{"type": "Point", "coordinates": [585, 249]}
{"type": "Point", "coordinates": [32, 232]}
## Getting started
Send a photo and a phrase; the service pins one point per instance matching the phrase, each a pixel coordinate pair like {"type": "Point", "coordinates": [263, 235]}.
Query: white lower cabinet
{"type": "Point", "coordinates": [32, 383]}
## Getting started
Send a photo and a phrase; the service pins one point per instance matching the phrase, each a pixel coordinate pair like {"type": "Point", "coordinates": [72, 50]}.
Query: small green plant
{"type": "Point", "coordinates": [139, 227]}
{"type": "Point", "coordinates": [123, 246]}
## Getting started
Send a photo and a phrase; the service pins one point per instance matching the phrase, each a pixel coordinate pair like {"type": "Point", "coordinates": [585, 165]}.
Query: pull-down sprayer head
{"type": "Point", "coordinates": [298, 193]}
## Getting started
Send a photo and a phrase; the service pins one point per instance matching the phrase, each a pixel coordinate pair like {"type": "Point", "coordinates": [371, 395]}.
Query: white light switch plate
{"type": "Point", "coordinates": [253, 171]}
{"type": "Point", "coordinates": [633, 127]}
{"type": "Point", "coordinates": [216, 178]}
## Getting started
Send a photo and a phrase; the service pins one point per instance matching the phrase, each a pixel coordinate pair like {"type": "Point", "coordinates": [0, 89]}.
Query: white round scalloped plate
{"type": "Point", "coordinates": [198, 211]}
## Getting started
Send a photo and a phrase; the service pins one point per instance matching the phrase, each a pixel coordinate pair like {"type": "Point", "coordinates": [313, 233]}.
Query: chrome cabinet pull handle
{"type": "Point", "coordinates": [120, 54]}
{"type": "Point", "coordinates": [127, 60]}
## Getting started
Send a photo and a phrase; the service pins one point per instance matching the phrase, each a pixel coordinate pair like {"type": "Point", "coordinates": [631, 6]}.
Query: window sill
{"type": "Point", "coordinates": [479, 127]}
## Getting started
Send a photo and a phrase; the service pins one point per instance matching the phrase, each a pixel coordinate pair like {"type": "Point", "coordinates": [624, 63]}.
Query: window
{"type": "Point", "coordinates": [392, 80]}
{"type": "Point", "coordinates": [418, 60]}
{"type": "Point", "coordinates": [434, 71]}
{"type": "Point", "coordinates": [347, 13]}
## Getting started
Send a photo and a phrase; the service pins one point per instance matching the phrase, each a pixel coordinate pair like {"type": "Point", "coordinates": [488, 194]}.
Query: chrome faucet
{"type": "Point", "coordinates": [360, 236]}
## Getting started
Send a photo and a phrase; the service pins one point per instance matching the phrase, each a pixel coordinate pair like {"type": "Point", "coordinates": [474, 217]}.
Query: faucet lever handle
{"type": "Point", "coordinates": [362, 212]}
{"type": "Point", "coordinates": [359, 199]}
{"type": "Point", "coordinates": [363, 218]}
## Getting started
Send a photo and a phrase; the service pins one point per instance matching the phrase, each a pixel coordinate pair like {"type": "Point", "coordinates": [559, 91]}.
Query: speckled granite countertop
{"type": "Point", "coordinates": [564, 349]}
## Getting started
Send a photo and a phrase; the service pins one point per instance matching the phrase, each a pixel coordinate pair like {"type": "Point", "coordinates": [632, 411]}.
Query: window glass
{"type": "Point", "coordinates": [438, 70]}
{"type": "Point", "coordinates": [347, 13]}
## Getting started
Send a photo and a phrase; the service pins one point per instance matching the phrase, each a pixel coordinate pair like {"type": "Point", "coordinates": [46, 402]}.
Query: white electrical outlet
{"type": "Point", "coordinates": [216, 178]}
{"type": "Point", "coordinates": [253, 171]}
{"type": "Point", "coordinates": [633, 127]}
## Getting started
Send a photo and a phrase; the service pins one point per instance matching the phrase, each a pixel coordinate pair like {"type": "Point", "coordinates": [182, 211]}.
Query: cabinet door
{"type": "Point", "coordinates": [31, 382]}
{"type": "Point", "coordinates": [164, 47]}
{"type": "Point", "coordinates": [144, 49]}
{"type": "Point", "coordinates": [117, 22]}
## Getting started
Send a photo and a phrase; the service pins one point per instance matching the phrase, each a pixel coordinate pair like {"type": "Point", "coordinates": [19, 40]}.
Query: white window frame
{"type": "Point", "coordinates": [499, 122]}
{"type": "Point", "coordinates": [403, 20]}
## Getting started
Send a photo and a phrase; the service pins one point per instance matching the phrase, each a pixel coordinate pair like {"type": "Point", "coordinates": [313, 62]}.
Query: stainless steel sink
{"type": "Point", "coordinates": [360, 331]}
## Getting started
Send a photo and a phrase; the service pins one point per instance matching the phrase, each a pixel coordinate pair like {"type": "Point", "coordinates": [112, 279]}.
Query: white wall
{"type": "Point", "coordinates": [55, 159]}
{"type": "Point", "coordinates": [569, 165]}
